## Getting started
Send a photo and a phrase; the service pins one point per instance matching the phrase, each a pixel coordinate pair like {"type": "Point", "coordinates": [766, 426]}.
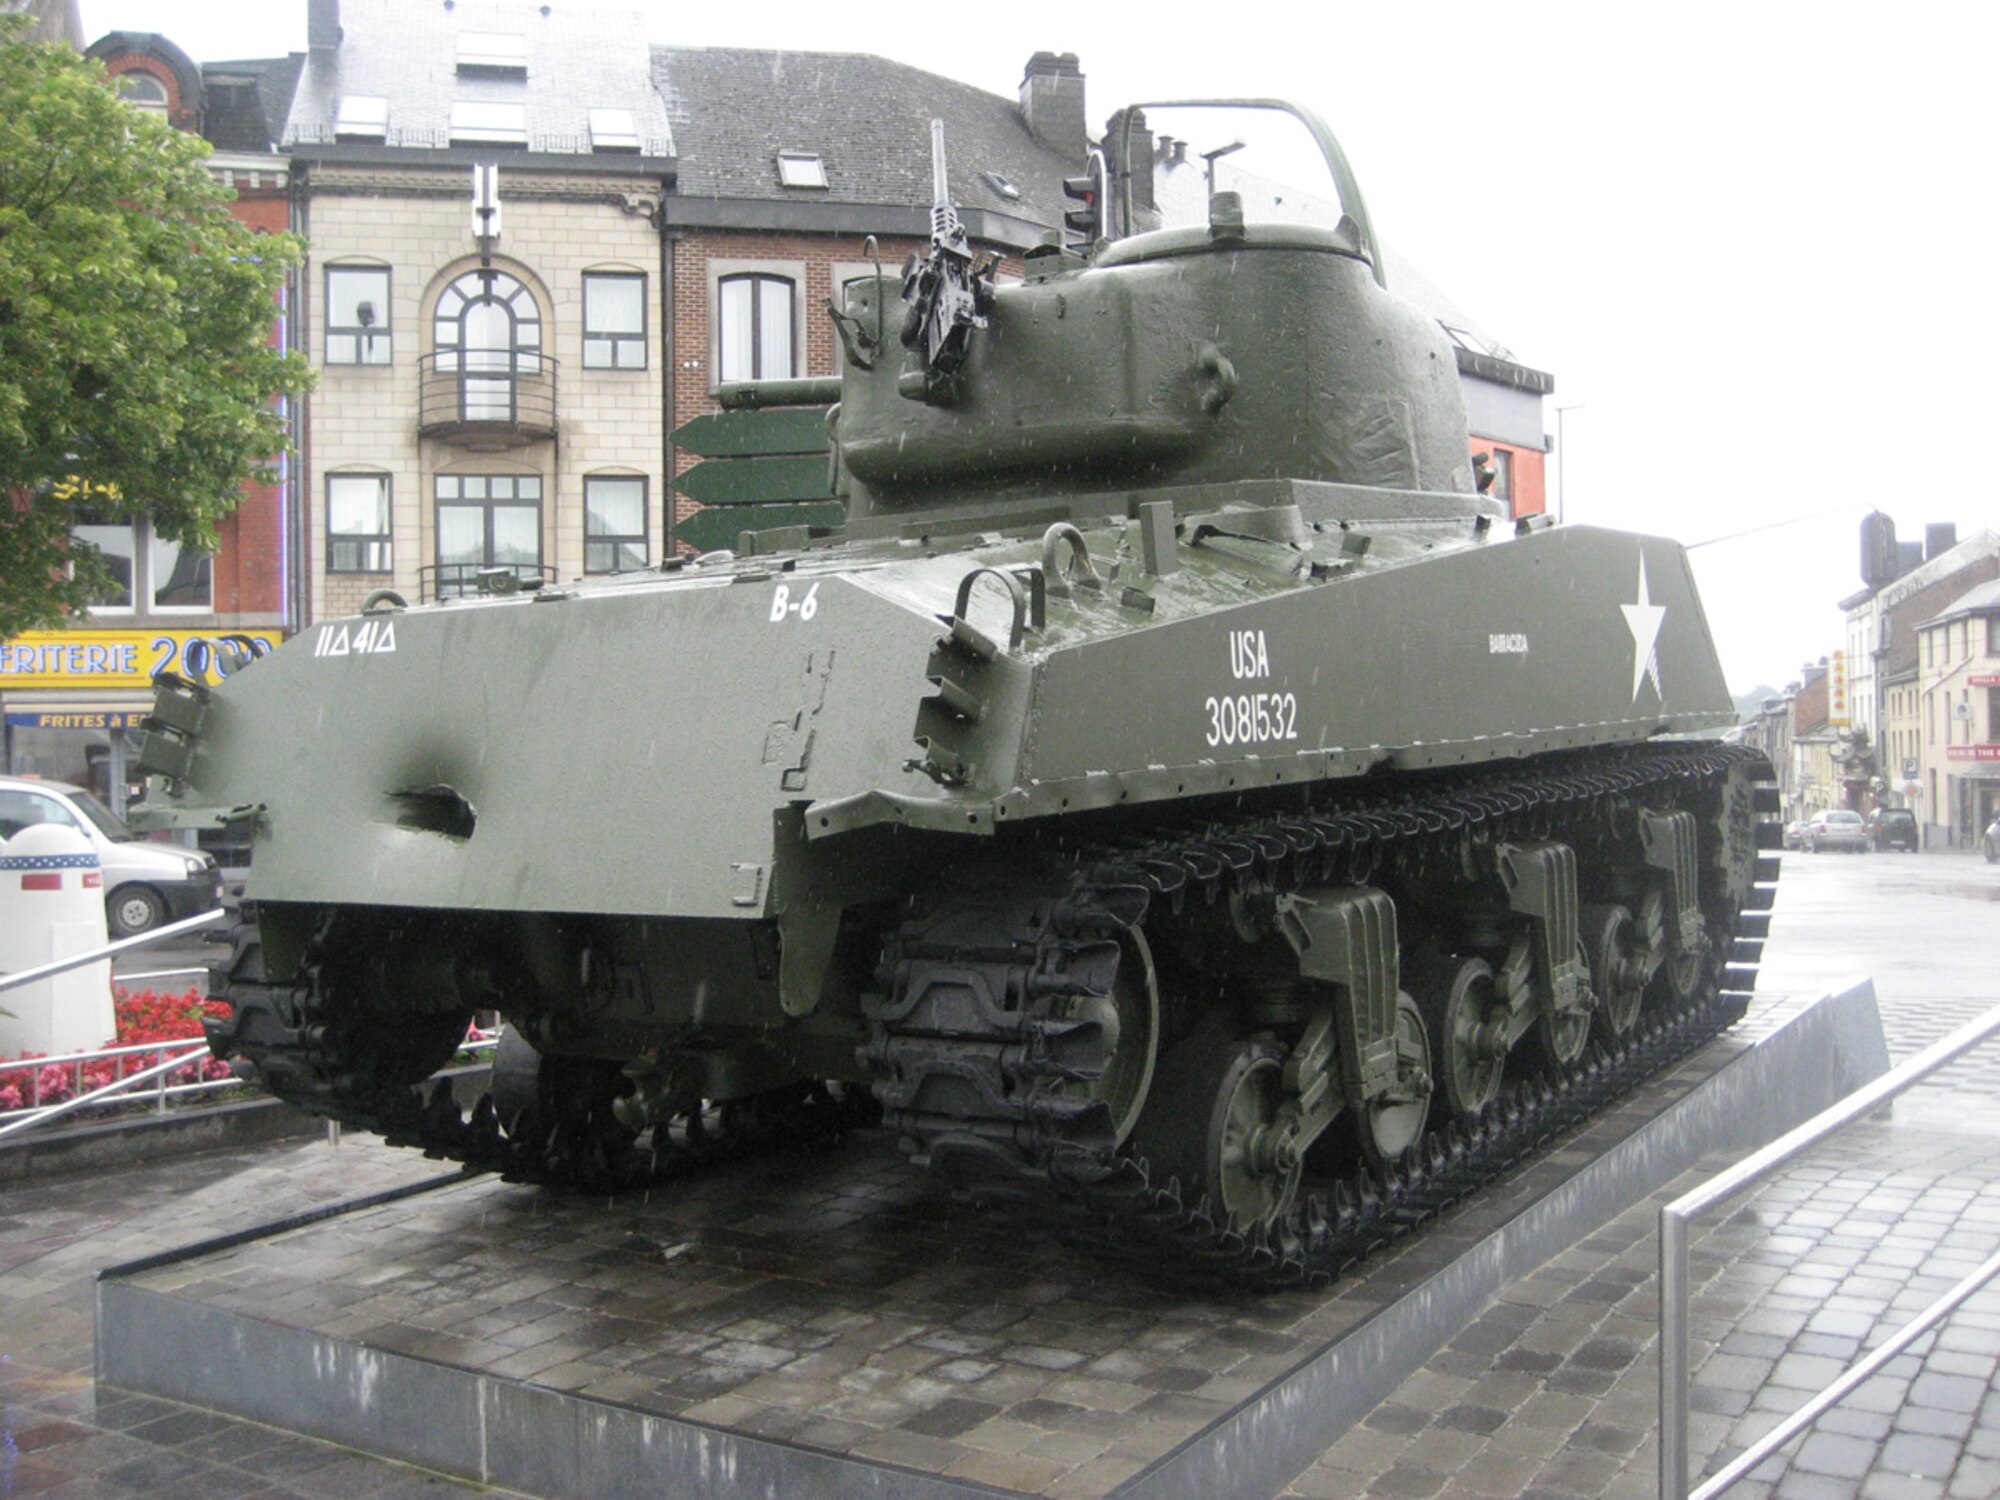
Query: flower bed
{"type": "Point", "coordinates": [144, 1017]}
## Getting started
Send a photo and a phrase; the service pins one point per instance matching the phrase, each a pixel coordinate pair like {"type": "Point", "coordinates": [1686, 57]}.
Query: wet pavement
{"type": "Point", "coordinates": [1550, 1391]}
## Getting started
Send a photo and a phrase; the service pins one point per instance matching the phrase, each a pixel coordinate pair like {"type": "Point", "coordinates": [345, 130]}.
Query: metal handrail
{"type": "Point", "coordinates": [1676, 1216]}
{"type": "Point", "coordinates": [111, 950]}
{"type": "Point", "coordinates": [100, 1095]}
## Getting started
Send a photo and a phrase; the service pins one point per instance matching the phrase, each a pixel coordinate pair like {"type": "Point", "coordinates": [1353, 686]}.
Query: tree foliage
{"type": "Point", "coordinates": [137, 371]}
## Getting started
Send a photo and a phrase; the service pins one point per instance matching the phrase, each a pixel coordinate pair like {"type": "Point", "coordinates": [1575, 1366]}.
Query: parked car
{"type": "Point", "coordinates": [1837, 828]}
{"type": "Point", "coordinates": [145, 884]}
{"type": "Point", "coordinates": [1795, 834]}
{"type": "Point", "coordinates": [1893, 828]}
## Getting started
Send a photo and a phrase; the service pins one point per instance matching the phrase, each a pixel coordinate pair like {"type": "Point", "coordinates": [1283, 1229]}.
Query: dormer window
{"type": "Point", "coordinates": [484, 122]}
{"type": "Point", "coordinates": [361, 117]}
{"type": "Point", "coordinates": [492, 52]}
{"type": "Point", "coordinates": [143, 91]}
{"type": "Point", "coordinates": [614, 130]}
{"type": "Point", "coordinates": [801, 169]}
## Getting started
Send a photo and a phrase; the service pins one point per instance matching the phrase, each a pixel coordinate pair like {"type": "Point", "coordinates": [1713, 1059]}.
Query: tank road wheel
{"type": "Point", "coordinates": [1133, 1036]}
{"type": "Point", "coordinates": [1469, 1058]}
{"type": "Point", "coordinates": [1129, 1017]}
{"type": "Point", "coordinates": [1617, 967]}
{"type": "Point", "coordinates": [1214, 1126]}
{"type": "Point", "coordinates": [1393, 1122]}
{"type": "Point", "coordinates": [1561, 1036]}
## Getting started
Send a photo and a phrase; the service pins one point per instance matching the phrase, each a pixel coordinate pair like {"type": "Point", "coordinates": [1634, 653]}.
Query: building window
{"type": "Point", "coordinates": [1503, 484]}
{"type": "Point", "coordinates": [149, 572]}
{"type": "Point", "coordinates": [492, 52]}
{"type": "Point", "coordinates": [480, 121]}
{"type": "Point", "coordinates": [488, 331]}
{"type": "Point", "coordinates": [801, 169]}
{"type": "Point", "coordinates": [614, 320]}
{"type": "Point", "coordinates": [143, 91]}
{"type": "Point", "coordinates": [357, 523]}
{"type": "Point", "coordinates": [614, 130]}
{"type": "Point", "coordinates": [357, 315]}
{"type": "Point", "coordinates": [487, 521]}
{"type": "Point", "coordinates": [361, 117]}
{"type": "Point", "coordinates": [614, 523]}
{"type": "Point", "coordinates": [755, 327]}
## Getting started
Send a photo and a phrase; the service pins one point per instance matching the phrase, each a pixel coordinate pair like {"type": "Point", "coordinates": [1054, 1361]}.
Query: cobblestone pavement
{"type": "Point", "coordinates": [1550, 1392]}
{"type": "Point", "coordinates": [1553, 1392]}
{"type": "Point", "coordinates": [61, 1435]}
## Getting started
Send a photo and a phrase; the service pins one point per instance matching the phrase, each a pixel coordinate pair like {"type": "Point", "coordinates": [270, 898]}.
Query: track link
{"type": "Point", "coordinates": [977, 1039]}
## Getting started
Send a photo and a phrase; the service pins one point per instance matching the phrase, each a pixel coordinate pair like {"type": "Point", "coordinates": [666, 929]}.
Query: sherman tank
{"type": "Point", "coordinates": [1176, 802]}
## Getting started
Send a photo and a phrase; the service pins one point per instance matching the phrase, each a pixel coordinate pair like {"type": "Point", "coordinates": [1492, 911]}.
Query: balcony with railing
{"type": "Point", "coordinates": [487, 399]}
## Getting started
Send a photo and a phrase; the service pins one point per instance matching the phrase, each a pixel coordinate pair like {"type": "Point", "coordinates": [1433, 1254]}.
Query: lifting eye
{"type": "Point", "coordinates": [435, 809]}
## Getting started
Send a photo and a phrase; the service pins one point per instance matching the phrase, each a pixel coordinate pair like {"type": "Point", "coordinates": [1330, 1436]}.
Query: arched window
{"type": "Point", "coordinates": [143, 90]}
{"type": "Point", "coordinates": [754, 314]}
{"type": "Point", "coordinates": [487, 328]}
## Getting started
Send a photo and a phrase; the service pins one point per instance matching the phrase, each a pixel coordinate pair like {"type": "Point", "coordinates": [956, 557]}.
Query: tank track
{"type": "Point", "coordinates": [957, 1023]}
{"type": "Point", "coordinates": [289, 1039]}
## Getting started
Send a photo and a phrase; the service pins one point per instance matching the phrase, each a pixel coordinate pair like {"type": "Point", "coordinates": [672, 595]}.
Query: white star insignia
{"type": "Point", "coordinates": [1644, 620]}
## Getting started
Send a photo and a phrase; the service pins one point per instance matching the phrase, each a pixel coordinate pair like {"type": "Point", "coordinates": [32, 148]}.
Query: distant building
{"type": "Point", "coordinates": [1959, 690]}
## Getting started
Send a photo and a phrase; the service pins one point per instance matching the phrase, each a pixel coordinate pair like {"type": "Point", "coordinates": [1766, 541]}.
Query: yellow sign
{"type": "Point", "coordinates": [128, 658]}
{"type": "Point", "coordinates": [1836, 692]}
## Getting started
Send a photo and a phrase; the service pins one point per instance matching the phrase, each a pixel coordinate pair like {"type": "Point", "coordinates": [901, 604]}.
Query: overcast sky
{"type": "Point", "coordinates": [1751, 242]}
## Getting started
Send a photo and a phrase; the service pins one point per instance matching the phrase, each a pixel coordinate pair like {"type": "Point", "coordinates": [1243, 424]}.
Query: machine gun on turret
{"type": "Point", "coordinates": [948, 293]}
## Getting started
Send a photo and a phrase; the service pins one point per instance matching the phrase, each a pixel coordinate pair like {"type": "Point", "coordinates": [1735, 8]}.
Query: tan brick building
{"type": "Point", "coordinates": [482, 301]}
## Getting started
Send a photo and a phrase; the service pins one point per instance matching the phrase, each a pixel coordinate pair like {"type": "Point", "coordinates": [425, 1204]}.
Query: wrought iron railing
{"type": "Point", "coordinates": [494, 398]}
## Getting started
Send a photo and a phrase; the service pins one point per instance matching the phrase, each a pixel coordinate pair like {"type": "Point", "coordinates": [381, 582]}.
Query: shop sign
{"type": "Point", "coordinates": [98, 659]}
{"type": "Point", "coordinates": [1983, 679]}
{"type": "Point", "coordinates": [93, 718]}
{"type": "Point", "coordinates": [1972, 752]}
{"type": "Point", "coordinates": [1836, 692]}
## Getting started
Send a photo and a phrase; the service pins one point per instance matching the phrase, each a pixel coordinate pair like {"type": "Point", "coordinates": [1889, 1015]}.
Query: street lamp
{"type": "Point", "coordinates": [1562, 453]}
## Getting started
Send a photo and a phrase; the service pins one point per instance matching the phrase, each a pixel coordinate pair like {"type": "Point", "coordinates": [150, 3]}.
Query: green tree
{"type": "Point", "coordinates": [137, 375]}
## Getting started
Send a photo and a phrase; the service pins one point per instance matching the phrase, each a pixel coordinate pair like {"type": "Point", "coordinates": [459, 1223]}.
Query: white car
{"type": "Point", "coordinates": [145, 884]}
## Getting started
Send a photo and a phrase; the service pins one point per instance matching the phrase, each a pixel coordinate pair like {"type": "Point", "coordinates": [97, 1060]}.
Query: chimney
{"type": "Point", "coordinates": [1939, 538]}
{"type": "Point", "coordinates": [1052, 104]}
{"type": "Point", "coordinates": [1140, 148]}
{"type": "Point", "coordinates": [322, 25]}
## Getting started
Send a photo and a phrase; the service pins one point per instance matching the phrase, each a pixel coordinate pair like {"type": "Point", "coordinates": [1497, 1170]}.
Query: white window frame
{"type": "Point", "coordinates": [494, 122]}
{"type": "Point", "coordinates": [361, 117]}
{"type": "Point", "coordinates": [614, 130]}
{"type": "Point", "coordinates": [801, 169]}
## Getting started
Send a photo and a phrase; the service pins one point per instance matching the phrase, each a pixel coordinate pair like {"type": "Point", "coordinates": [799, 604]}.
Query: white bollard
{"type": "Point", "coordinates": [51, 907]}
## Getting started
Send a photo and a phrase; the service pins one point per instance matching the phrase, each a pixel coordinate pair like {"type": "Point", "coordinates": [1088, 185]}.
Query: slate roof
{"type": "Point", "coordinates": [733, 109]}
{"type": "Point", "coordinates": [1977, 602]}
{"type": "Point", "coordinates": [247, 101]}
{"type": "Point", "coordinates": [578, 59]}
